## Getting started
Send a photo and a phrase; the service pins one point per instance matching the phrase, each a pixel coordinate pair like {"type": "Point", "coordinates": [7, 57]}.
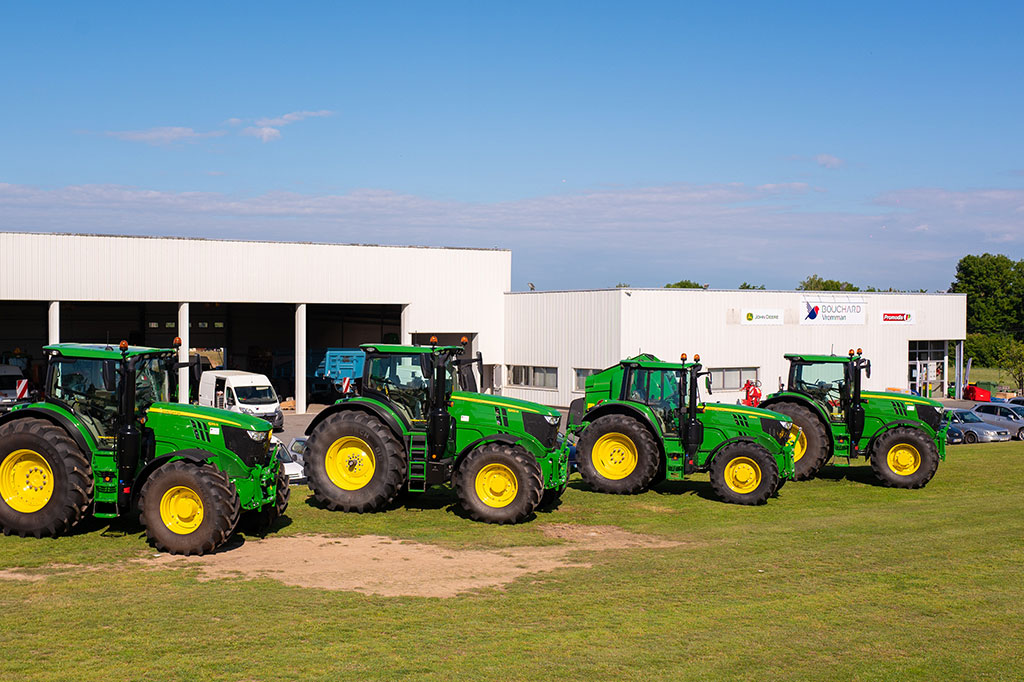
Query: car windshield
{"type": "Point", "coordinates": [969, 417]}
{"type": "Point", "coordinates": [284, 455]}
{"type": "Point", "coordinates": [256, 395]}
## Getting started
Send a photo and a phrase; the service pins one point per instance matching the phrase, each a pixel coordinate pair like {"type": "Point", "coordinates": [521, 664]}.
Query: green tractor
{"type": "Point", "coordinates": [642, 421]}
{"type": "Point", "coordinates": [403, 425]}
{"type": "Point", "coordinates": [106, 441]}
{"type": "Point", "coordinates": [904, 436]}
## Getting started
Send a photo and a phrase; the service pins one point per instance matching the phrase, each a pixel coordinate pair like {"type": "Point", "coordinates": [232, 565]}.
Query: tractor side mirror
{"type": "Point", "coordinates": [867, 370]}
{"type": "Point", "coordinates": [707, 383]}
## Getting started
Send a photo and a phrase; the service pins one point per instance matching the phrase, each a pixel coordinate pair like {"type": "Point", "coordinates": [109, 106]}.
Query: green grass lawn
{"type": "Point", "coordinates": [838, 578]}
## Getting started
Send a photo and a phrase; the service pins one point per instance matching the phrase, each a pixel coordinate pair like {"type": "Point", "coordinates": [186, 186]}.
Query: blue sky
{"type": "Point", "coordinates": [601, 142]}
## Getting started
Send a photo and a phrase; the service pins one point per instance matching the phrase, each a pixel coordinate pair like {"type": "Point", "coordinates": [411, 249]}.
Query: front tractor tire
{"type": "Point", "coordinates": [354, 463]}
{"type": "Point", "coordinates": [904, 458]}
{"type": "Point", "coordinates": [744, 473]}
{"type": "Point", "coordinates": [45, 480]}
{"type": "Point", "coordinates": [188, 508]}
{"type": "Point", "coordinates": [499, 483]}
{"type": "Point", "coordinates": [617, 454]}
{"type": "Point", "coordinates": [812, 449]}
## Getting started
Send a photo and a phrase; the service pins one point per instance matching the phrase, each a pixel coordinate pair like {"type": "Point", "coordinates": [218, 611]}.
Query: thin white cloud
{"type": "Point", "coordinates": [828, 161]}
{"type": "Point", "coordinates": [292, 117]}
{"type": "Point", "coordinates": [265, 133]}
{"type": "Point", "coordinates": [162, 135]}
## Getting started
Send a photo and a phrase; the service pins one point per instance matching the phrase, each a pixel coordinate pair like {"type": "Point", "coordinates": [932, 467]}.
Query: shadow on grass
{"type": "Point", "coordinates": [857, 474]}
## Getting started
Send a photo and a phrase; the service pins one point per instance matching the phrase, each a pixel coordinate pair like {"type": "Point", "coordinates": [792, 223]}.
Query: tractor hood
{"type": "Point", "coordinates": [507, 403]}
{"type": "Point", "coordinates": [210, 414]}
{"type": "Point", "coordinates": [744, 410]}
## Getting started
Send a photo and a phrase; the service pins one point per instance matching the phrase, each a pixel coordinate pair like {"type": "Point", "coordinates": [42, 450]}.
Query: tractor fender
{"type": "Point", "coordinates": [726, 443]}
{"type": "Point", "coordinates": [196, 456]}
{"type": "Point", "coordinates": [505, 438]}
{"type": "Point", "coordinates": [55, 418]}
{"type": "Point", "coordinates": [889, 426]}
{"type": "Point", "coordinates": [626, 409]}
{"type": "Point", "coordinates": [370, 408]}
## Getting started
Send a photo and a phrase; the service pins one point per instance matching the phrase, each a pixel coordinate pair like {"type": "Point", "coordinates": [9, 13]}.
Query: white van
{"type": "Point", "coordinates": [245, 392]}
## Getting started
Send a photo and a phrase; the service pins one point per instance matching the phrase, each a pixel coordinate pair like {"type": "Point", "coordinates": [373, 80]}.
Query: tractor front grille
{"type": "Point", "coordinates": [251, 452]}
{"type": "Point", "coordinates": [775, 429]}
{"type": "Point", "coordinates": [930, 415]}
{"type": "Point", "coordinates": [538, 427]}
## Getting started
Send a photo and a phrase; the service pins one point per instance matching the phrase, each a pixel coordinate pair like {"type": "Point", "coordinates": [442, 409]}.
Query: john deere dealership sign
{"type": "Point", "coordinates": [822, 310]}
{"type": "Point", "coordinates": [761, 316]}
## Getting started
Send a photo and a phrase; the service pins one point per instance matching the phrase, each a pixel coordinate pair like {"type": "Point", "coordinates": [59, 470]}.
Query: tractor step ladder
{"type": "Point", "coordinates": [417, 462]}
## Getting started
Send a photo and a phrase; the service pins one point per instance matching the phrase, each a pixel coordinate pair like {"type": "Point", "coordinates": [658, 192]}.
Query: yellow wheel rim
{"type": "Point", "coordinates": [614, 456]}
{"type": "Point", "coordinates": [181, 510]}
{"type": "Point", "coordinates": [26, 481]}
{"type": "Point", "coordinates": [903, 459]}
{"type": "Point", "coordinates": [800, 447]}
{"type": "Point", "coordinates": [350, 463]}
{"type": "Point", "coordinates": [496, 485]}
{"type": "Point", "coordinates": [742, 475]}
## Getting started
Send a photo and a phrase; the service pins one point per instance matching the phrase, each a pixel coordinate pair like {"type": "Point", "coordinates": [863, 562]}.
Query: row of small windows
{"type": "Point", "coordinates": [723, 379]}
{"type": "Point", "coordinates": [172, 325]}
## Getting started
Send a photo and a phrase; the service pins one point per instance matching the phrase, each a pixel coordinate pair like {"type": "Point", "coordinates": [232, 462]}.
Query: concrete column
{"type": "Point", "coordinates": [959, 390]}
{"type": "Point", "coordinates": [300, 358]}
{"type": "Point", "coordinates": [54, 322]}
{"type": "Point", "coordinates": [945, 370]}
{"type": "Point", "coordinates": [183, 373]}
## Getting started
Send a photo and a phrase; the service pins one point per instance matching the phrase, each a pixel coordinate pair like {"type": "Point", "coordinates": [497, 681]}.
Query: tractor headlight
{"type": "Point", "coordinates": [259, 436]}
{"type": "Point", "coordinates": [787, 425]}
{"type": "Point", "coordinates": [554, 420]}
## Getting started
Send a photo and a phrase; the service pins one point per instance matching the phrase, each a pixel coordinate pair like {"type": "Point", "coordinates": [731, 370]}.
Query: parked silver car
{"type": "Point", "coordinates": [974, 429]}
{"type": "Point", "coordinates": [293, 468]}
{"type": "Point", "coordinates": [1009, 417]}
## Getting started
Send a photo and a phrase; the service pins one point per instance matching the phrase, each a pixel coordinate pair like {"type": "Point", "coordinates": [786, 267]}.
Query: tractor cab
{"type": "Point", "coordinates": [834, 382]}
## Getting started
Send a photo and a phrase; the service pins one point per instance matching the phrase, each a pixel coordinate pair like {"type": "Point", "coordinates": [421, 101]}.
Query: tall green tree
{"type": "Point", "coordinates": [994, 285]}
{"type": "Point", "coordinates": [817, 283]}
{"type": "Point", "coordinates": [1012, 360]}
{"type": "Point", "coordinates": [684, 284]}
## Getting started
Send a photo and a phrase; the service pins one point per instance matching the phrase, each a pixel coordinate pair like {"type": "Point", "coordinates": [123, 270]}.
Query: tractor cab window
{"type": "Point", "coordinates": [90, 388]}
{"type": "Point", "coordinates": [403, 381]}
{"type": "Point", "coordinates": [824, 381]}
{"type": "Point", "coordinates": [659, 389]}
{"type": "Point", "coordinates": [151, 383]}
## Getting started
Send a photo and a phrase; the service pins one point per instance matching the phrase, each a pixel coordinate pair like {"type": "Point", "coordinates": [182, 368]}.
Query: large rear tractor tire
{"type": "Point", "coordinates": [617, 454]}
{"type": "Point", "coordinates": [744, 473]}
{"type": "Point", "coordinates": [262, 520]}
{"type": "Point", "coordinates": [811, 450]}
{"type": "Point", "coordinates": [904, 458]}
{"type": "Point", "coordinates": [499, 483]}
{"type": "Point", "coordinates": [354, 463]}
{"type": "Point", "coordinates": [188, 508]}
{"type": "Point", "coordinates": [45, 480]}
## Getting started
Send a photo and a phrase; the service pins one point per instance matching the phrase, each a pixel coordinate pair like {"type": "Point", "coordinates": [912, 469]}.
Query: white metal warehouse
{"type": "Point", "coordinates": [274, 305]}
{"type": "Point", "coordinates": [266, 302]}
{"type": "Point", "coordinates": [555, 339]}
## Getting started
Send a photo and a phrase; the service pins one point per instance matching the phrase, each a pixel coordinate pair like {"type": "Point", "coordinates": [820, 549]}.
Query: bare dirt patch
{"type": "Point", "coordinates": [374, 564]}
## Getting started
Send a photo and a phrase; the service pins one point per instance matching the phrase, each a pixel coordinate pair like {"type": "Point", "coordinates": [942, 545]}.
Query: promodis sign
{"type": "Point", "coordinates": [820, 311]}
{"type": "Point", "coordinates": [905, 317]}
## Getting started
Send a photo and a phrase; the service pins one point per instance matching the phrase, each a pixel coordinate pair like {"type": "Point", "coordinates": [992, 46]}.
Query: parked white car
{"type": "Point", "coordinates": [245, 392]}
{"type": "Point", "coordinates": [293, 468]}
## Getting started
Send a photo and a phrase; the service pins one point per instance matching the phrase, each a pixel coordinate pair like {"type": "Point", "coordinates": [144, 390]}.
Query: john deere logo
{"type": "Point", "coordinates": [750, 317]}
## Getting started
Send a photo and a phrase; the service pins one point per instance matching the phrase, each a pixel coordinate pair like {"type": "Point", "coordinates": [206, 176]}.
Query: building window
{"type": "Point", "coordinates": [732, 378]}
{"type": "Point", "coordinates": [581, 378]}
{"type": "Point", "coordinates": [537, 377]}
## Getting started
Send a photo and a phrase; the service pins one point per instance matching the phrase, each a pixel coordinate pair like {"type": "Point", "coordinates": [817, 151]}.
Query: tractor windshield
{"type": "Point", "coordinates": [659, 389]}
{"type": "Point", "coordinates": [825, 381]}
{"type": "Point", "coordinates": [89, 387]}
{"type": "Point", "coordinates": [151, 383]}
{"type": "Point", "coordinates": [403, 381]}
